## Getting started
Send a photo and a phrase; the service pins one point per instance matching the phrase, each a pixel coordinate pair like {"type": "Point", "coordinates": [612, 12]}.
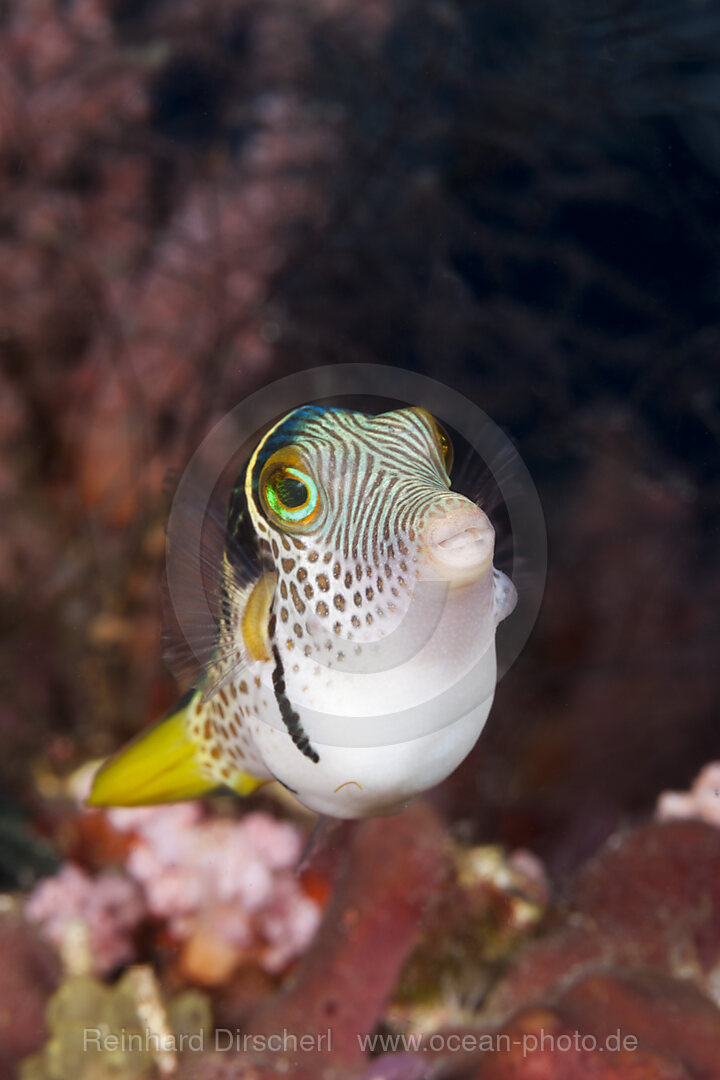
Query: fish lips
{"type": "Point", "coordinates": [459, 545]}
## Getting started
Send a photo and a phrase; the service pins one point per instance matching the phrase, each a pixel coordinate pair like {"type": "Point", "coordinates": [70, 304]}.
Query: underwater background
{"type": "Point", "coordinates": [521, 200]}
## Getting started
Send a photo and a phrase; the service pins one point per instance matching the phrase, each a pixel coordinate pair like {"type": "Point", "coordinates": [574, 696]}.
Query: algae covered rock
{"type": "Point", "coordinates": [121, 1032]}
{"type": "Point", "coordinates": [491, 907]}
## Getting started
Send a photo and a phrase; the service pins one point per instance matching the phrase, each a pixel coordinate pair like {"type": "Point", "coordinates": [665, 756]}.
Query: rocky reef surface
{"type": "Point", "coordinates": [395, 949]}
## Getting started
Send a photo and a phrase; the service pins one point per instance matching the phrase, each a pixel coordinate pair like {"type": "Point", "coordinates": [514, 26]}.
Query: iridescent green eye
{"type": "Point", "coordinates": [291, 494]}
{"type": "Point", "coordinates": [446, 446]}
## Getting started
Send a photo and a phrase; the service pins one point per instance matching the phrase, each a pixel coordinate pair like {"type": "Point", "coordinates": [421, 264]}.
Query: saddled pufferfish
{"type": "Point", "coordinates": [357, 664]}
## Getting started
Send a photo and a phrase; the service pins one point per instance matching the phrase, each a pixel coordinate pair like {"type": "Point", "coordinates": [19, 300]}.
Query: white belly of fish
{"type": "Point", "coordinates": [376, 764]}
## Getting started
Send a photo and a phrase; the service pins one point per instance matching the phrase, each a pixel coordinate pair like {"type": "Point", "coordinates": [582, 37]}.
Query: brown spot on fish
{"type": "Point", "coordinates": [297, 600]}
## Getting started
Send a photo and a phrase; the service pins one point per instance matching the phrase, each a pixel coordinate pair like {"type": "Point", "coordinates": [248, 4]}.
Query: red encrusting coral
{"type": "Point", "coordinates": [29, 972]}
{"type": "Point", "coordinates": [391, 873]}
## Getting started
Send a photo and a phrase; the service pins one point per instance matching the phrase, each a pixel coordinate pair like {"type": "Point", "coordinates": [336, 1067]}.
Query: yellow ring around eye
{"type": "Point", "coordinates": [290, 494]}
{"type": "Point", "coordinates": [444, 442]}
{"type": "Point", "coordinates": [446, 447]}
{"type": "Point", "coordinates": [443, 439]}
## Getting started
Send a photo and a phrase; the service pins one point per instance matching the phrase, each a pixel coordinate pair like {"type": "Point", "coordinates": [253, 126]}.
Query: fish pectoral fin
{"type": "Point", "coordinates": [256, 617]}
{"type": "Point", "coordinates": [160, 765]}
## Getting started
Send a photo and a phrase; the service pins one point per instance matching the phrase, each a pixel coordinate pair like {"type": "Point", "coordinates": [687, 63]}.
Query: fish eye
{"type": "Point", "coordinates": [443, 439]}
{"type": "Point", "coordinates": [290, 494]}
{"type": "Point", "coordinates": [446, 446]}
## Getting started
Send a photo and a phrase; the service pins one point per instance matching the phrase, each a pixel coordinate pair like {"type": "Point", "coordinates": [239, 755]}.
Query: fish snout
{"type": "Point", "coordinates": [460, 543]}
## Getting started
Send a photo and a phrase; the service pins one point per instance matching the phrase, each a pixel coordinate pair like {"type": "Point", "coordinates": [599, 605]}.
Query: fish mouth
{"type": "Point", "coordinates": [460, 545]}
{"type": "Point", "coordinates": [463, 540]}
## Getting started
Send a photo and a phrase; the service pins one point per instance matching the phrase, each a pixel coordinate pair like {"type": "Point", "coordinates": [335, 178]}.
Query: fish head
{"type": "Point", "coordinates": [356, 510]}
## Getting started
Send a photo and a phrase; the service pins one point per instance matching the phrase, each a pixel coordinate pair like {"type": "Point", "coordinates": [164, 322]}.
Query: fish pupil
{"type": "Point", "coordinates": [291, 492]}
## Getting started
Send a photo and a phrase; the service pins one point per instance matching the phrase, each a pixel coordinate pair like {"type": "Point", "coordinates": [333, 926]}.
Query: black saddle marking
{"type": "Point", "coordinates": [290, 717]}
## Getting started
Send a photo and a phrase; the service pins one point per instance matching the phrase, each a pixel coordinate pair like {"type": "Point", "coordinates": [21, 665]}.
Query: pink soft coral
{"type": "Point", "coordinates": [702, 801]}
{"type": "Point", "coordinates": [109, 907]}
{"type": "Point", "coordinates": [226, 889]}
{"type": "Point", "coordinates": [229, 880]}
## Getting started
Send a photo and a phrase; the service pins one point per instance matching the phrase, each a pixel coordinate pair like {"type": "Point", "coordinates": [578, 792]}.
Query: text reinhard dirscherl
{"type": "Point", "coordinates": [222, 1039]}
{"type": "Point", "coordinates": [289, 1042]}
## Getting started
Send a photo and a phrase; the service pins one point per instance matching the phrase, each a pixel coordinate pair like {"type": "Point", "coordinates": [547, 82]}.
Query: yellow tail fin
{"type": "Point", "coordinates": [161, 765]}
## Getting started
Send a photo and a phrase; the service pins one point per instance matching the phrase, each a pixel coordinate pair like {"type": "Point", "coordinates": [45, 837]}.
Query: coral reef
{"type": "Point", "coordinates": [125, 1031]}
{"type": "Point", "coordinates": [489, 908]}
{"type": "Point", "coordinates": [637, 953]}
{"type": "Point", "coordinates": [462, 952]}
{"type": "Point", "coordinates": [392, 873]}
{"type": "Point", "coordinates": [106, 908]}
{"type": "Point", "coordinates": [702, 801]}
{"type": "Point", "coordinates": [225, 889]}
{"type": "Point", "coordinates": [620, 984]}
{"type": "Point", "coordinates": [29, 973]}
{"type": "Point", "coordinates": [137, 264]}
{"type": "Point", "coordinates": [649, 899]}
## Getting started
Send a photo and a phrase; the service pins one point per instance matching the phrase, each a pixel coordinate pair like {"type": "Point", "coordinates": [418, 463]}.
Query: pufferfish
{"type": "Point", "coordinates": [357, 663]}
